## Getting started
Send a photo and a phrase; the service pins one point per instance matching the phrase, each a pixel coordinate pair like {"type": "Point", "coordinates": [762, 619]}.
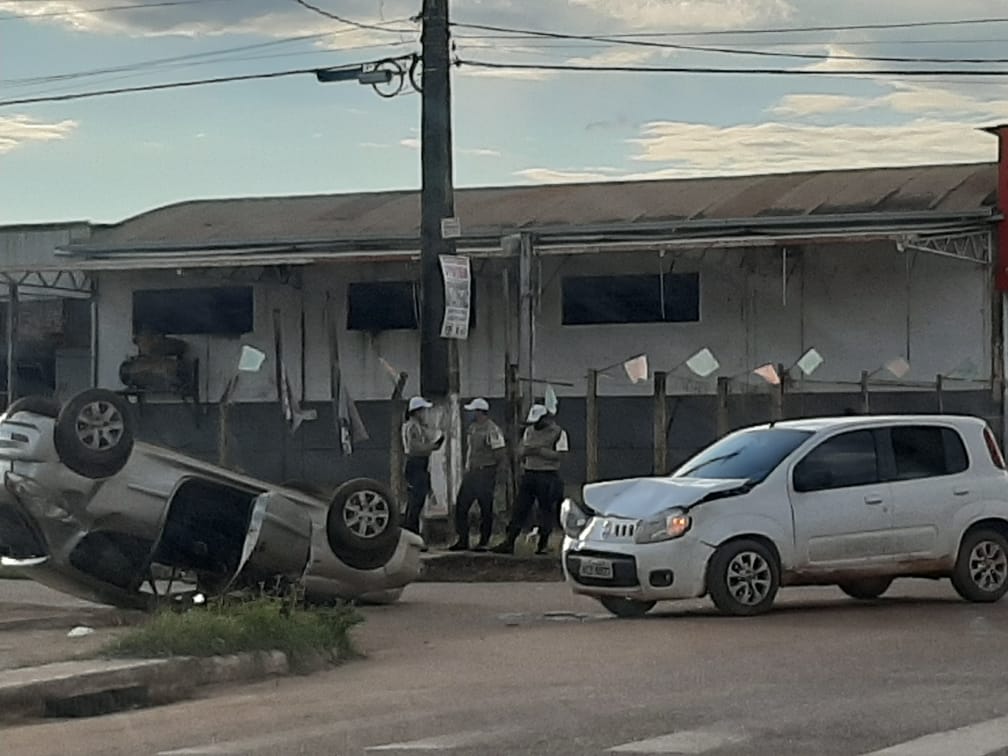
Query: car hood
{"type": "Point", "coordinates": [645, 497]}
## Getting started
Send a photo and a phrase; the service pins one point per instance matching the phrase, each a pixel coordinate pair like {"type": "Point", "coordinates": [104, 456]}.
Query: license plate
{"type": "Point", "coordinates": [596, 568]}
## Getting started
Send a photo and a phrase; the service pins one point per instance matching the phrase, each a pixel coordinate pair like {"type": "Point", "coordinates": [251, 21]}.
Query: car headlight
{"type": "Point", "coordinates": [665, 527]}
{"type": "Point", "coordinates": [573, 518]}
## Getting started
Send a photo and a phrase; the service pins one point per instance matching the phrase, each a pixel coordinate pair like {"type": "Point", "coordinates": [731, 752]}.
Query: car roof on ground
{"type": "Point", "coordinates": [816, 424]}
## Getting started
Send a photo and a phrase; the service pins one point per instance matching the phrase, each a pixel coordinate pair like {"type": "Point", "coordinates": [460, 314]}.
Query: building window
{"type": "Point", "coordinates": [221, 310]}
{"type": "Point", "coordinates": [390, 306]}
{"type": "Point", "coordinates": [383, 306]}
{"type": "Point", "coordinates": [668, 298]}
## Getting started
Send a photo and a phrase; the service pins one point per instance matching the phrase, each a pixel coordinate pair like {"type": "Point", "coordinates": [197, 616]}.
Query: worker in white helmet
{"type": "Point", "coordinates": [486, 450]}
{"type": "Point", "coordinates": [419, 442]}
{"type": "Point", "coordinates": [542, 447]}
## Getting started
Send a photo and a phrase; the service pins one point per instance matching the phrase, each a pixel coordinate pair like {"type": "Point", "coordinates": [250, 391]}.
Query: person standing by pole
{"type": "Point", "coordinates": [486, 448]}
{"type": "Point", "coordinates": [542, 447]}
{"type": "Point", "coordinates": [419, 442]}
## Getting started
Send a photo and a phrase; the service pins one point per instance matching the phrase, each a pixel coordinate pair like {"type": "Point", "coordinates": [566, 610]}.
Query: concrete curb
{"type": "Point", "coordinates": [90, 688]}
{"type": "Point", "coordinates": [470, 567]}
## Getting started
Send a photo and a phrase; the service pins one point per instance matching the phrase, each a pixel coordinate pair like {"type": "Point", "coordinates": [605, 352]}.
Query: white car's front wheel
{"type": "Point", "coordinates": [743, 578]}
{"type": "Point", "coordinates": [981, 570]}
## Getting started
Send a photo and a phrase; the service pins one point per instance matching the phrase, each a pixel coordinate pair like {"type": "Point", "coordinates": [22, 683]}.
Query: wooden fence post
{"type": "Point", "coordinates": [939, 389]}
{"type": "Point", "coordinates": [660, 423]}
{"type": "Point", "coordinates": [777, 397]}
{"type": "Point", "coordinates": [591, 428]}
{"type": "Point", "coordinates": [865, 398]}
{"type": "Point", "coordinates": [723, 390]}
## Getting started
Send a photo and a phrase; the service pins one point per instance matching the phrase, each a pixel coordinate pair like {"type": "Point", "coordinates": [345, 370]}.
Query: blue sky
{"type": "Point", "coordinates": [108, 158]}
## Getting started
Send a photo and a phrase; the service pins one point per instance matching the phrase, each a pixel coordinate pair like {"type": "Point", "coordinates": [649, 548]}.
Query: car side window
{"type": "Point", "coordinates": [849, 459]}
{"type": "Point", "coordinates": [923, 451]}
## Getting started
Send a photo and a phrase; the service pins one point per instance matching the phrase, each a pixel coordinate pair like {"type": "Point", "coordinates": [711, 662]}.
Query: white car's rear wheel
{"type": "Point", "coordinates": [743, 578]}
{"type": "Point", "coordinates": [981, 571]}
{"type": "Point", "coordinates": [626, 608]}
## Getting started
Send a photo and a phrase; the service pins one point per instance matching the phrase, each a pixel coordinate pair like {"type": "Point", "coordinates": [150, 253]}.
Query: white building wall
{"type": "Point", "coordinates": [849, 302]}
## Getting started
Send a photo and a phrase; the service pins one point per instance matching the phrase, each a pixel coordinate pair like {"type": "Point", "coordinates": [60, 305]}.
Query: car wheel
{"type": "Point", "coordinates": [363, 524]}
{"type": "Point", "coordinates": [981, 570]}
{"type": "Point", "coordinates": [866, 589]}
{"type": "Point", "coordinates": [626, 608]}
{"type": "Point", "coordinates": [38, 405]}
{"type": "Point", "coordinates": [94, 433]}
{"type": "Point", "coordinates": [743, 578]}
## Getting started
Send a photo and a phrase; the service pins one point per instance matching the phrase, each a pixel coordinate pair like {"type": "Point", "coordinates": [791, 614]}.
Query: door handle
{"type": "Point", "coordinates": [962, 492]}
{"type": "Point", "coordinates": [873, 500]}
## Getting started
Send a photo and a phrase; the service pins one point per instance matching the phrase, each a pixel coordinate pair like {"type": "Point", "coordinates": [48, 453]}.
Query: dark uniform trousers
{"type": "Point", "coordinates": [477, 485]}
{"type": "Point", "coordinates": [536, 486]}
{"type": "Point", "coordinates": [418, 484]}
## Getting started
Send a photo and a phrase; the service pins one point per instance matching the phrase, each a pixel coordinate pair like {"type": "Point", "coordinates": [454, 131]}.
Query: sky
{"type": "Point", "coordinates": [105, 159]}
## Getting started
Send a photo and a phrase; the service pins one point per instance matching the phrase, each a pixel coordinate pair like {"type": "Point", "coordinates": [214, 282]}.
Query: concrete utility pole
{"type": "Point", "coordinates": [437, 198]}
{"type": "Point", "coordinates": [439, 373]}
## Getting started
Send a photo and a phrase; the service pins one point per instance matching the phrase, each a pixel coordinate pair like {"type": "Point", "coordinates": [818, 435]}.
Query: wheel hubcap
{"type": "Point", "coordinates": [749, 578]}
{"type": "Point", "coordinates": [100, 426]}
{"type": "Point", "coordinates": [366, 514]}
{"type": "Point", "coordinates": [988, 566]}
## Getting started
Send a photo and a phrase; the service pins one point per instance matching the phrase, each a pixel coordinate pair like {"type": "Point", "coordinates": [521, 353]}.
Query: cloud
{"type": "Point", "coordinates": [411, 143]}
{"type": "Point", "coordinates": [690, 14]}
{"type": "Point", "coordinates": [755, 148]}
{"type": "Point", "coordinates": [374, 145]}
{"type": "Point", "coordinates": [17, 131]}
{"type": "Point", "coordinates": [551, 176]}
{"type": "Point", "coordinates": [479, 152]}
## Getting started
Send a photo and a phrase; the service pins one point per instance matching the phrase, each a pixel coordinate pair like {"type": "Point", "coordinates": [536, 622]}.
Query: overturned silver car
{"type": "Point", "coordinates": [86, 510]}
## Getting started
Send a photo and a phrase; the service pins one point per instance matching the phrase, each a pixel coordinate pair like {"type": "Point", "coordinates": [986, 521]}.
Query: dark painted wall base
{"type": "Point", "coordinates": [262, 446]}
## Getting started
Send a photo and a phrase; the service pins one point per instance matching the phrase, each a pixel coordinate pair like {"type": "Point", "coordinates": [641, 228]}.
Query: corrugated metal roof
{"type": "Point", "coordinates": [489, 211]}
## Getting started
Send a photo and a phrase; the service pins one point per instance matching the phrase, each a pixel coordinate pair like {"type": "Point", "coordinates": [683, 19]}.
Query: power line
{"type": "Point", "coordinates": [954, 72]}
{"type": "Point", "coordinates": [177, 84]}
{"type": "Point", "coordinates": [781, 30]}
{"type": "Point", "coordinates": [612, 40]}
{"type": "Point", "coordinates": [107, 9]}
{"type": "Point", "coordinates": [350, 22]}
{"type": "Point", "coordinates": [178, 60]}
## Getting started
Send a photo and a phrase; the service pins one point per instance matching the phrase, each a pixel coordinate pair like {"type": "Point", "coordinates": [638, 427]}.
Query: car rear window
{"type": "Point", "coordinates": [927, 451]}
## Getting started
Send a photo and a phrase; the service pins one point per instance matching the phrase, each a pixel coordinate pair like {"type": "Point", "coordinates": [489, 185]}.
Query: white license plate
{"type": "Point", "coordinates": [596, 568]}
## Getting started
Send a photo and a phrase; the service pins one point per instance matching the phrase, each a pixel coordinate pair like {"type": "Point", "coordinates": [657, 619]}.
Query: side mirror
{"type": "Point", "coordinates": [251, 359]}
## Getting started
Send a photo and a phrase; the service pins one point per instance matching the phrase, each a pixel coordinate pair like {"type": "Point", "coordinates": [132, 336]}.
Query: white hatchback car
{"type": "Point", "coordinates": [854, 502]}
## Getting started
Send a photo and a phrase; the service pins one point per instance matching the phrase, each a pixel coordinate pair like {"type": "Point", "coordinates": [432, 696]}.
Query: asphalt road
{"type": "Point", "coordinates": [485, 669]}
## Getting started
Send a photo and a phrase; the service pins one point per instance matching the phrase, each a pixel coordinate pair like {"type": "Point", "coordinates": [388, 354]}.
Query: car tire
{"type": "Point", "coordinates": [39, 405]}
{"type": "Point", "coordinates": [362, 525]}
{"type": "Point", "coordinates": [626, 608]}
{"type": "Point", "coordinates": [94, 433]}
{"type": "Point", "coordinates": [866, 589]}
{"type": "Point", "coordinates": [981, 569]}
{"type": "Point", "coordinates": [743, 578]}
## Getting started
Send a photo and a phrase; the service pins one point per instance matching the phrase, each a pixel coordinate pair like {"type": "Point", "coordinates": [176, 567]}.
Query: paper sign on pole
{"type": "Point", "coordinates": [898, 367]}
{"type": "Point", "coordinates": [810, 362]}
{"type": "Point", "coordinates": [457, 283]}
{"type": "Point", "coordinates": [637, 368]}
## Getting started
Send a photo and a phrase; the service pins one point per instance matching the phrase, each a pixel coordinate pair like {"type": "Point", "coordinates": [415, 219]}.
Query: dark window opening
{"type": "Point", "coordinates": [222, 310]}
{"type": "Point", "coordinates": [668, 298]}
{"type": "Point", "coordinates": [390, 306]}
{"type": "Point", "coordinates": [843, 461]}
{"type": "Point", "coordinates": [923, 452]}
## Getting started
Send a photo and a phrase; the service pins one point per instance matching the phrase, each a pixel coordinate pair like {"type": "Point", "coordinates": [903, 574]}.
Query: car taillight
{"type": "Point", "coordinates": [995, 452]}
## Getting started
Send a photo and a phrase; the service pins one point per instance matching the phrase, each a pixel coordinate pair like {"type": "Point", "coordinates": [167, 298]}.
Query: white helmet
{"type": "Point", "coordinates": [419, 403]}
{"type": "Point", "coordinates": [477, 405]}
{"type": "Point", "coordinates": [537, 413]}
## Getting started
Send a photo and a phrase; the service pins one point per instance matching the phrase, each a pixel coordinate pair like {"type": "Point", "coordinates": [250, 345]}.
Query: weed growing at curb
{"type": "Point", "coordinates": [224, 628]}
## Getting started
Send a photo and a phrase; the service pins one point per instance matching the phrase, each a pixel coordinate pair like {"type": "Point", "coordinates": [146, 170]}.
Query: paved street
{"type": "Point", "coordinates": [527, 668]}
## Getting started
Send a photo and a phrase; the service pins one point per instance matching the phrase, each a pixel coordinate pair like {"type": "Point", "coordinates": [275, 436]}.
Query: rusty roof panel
{"type": "Point", "coordinates": [942, 188]}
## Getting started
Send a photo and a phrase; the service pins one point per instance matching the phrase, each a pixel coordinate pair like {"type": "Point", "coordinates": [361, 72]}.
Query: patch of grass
{"type": "Point", "coordinates": [262, 624]}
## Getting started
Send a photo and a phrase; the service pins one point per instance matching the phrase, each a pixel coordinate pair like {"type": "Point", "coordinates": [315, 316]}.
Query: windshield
{"type": "Point", "coordinates": [751, 456]}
